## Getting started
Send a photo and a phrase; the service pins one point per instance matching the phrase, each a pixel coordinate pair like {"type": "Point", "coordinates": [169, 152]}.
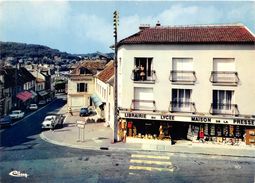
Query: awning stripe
{"type": "Point", "coordinates": [96, 100]}
{"type": "Point", "coordinates": [24, 96]}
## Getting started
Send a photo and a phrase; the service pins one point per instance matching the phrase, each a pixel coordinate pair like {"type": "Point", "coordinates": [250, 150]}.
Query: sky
{"type": "Point", "coordinates": [87, 26]}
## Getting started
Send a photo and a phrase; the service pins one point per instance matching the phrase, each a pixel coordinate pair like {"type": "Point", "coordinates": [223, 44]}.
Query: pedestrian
{"type": "Point", "coordinates": [170, 127]}
{"type": "Point", "coordinates": [142, 73]}
{"type": "Point", "coordinates": [70, 111]}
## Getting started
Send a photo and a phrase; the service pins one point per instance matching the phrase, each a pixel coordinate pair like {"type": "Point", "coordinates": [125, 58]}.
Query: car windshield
{"type": "Point", "coordinates": [84, 109]}
{"type": "Point", "coordinates": [15, 112]}
{"type": "Point", "coordinates": [33, 105]}
{"type": "Point", "coordinates": [48, 118]}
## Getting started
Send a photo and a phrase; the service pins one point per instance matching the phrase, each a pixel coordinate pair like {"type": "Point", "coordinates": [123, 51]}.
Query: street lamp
{"type": "Point", "coordinates": [115, 33]}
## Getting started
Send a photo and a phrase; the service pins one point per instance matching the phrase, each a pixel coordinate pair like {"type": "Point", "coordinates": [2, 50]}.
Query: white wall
{"type": "Point", "coordinates": [244, 55]}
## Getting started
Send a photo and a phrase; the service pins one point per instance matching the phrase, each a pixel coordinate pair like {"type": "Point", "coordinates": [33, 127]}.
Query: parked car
{"type": "Point", "coordinates": [5, 121]}
{"type": "Point", "coordinates": [85, 111]}
{"type": "Point", "coordinates": [42, 102]}
{"type": "Point", "coordinates": [17, 114]}
{"type": "Point", "coordinates": [33, 107]}
{"type": "Point", "coordinates": [52, 121]}
{"type": "Point", "coordinates": [48, 100]}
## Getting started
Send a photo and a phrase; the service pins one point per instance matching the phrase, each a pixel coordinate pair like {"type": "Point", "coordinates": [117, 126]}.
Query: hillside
{"type": "Point", "coordinates": [23, 50]}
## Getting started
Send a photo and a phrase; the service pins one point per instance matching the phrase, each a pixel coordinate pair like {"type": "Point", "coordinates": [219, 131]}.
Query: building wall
{"type": "Point", "coordinates": [80, 99]}
{"type": "Point", "coordinates": [105, 93]}
{"type": "Point", "coordinates": [244, 55]}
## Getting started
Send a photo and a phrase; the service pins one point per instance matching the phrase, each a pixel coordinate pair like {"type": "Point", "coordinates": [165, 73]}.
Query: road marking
{"type": "Point", "coordinates": [150, 168]}
{"type": "Point", "coordinates": [149, 156]}
{"type": "Point", "coordinates": [150, 162]}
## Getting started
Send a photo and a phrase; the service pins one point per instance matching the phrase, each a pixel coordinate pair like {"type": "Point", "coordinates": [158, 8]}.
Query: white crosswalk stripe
{"type": "Point", "coordinates": [145, 162]}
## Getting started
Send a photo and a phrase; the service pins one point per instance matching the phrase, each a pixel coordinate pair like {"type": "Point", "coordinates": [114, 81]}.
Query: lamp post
{"type": "Point", "coordinates": [115, 28]}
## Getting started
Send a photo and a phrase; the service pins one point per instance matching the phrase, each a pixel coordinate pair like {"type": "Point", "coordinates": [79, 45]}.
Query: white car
{"type": "Point", "coordinates": [17, 114]}
{"type": "Point", "coordinates": [48, 122]}
{"type": "Point", "coordinates": [33, 107]}
{"type": "Point", "coordinates": [42, 102]}
{"type": "Point", "coordinates": [53, 121]}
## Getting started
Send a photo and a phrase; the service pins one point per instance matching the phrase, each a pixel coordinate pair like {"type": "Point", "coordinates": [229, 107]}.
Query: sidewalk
{"type": "Point", "coordinates": [97, 136]}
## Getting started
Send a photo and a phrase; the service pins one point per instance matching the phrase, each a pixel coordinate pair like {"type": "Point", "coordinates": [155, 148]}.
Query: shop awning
{"type": "Point", "coordinates": [24, 96]}
{"type": "Point", "coordinates": [42, 93]}
{"type": "Point", "coordinates": [33, 93]}
{"type": "Point", "coordinates": [96, 100]}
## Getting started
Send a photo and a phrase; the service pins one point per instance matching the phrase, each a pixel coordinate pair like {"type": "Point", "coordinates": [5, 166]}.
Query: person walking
{"type": "Point", "coordinates": [70, 111]}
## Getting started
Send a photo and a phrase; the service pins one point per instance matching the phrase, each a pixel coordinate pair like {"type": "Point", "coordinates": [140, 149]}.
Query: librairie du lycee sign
{"type": "Point", "coordinates": [194, 119]}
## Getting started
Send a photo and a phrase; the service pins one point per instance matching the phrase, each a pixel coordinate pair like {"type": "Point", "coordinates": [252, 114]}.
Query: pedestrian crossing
{"type": "Point", "coordinates": [150, 163]}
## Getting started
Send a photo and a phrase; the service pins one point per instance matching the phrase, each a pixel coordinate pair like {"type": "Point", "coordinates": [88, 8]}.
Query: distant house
{"type": "Point", "coordinates": [81, 84]}
{"type": "Point", "coordinates": [104, 90]}
{"type": "Point", "coordinates": [18, 88]}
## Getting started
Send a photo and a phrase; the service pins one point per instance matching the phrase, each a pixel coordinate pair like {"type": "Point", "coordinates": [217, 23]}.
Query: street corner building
{"type": "Point", "coordinates": [188, 82]}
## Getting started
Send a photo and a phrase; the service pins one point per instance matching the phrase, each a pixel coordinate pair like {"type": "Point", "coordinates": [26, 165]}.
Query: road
{"type": "Point", "coordinates": [23, 150]}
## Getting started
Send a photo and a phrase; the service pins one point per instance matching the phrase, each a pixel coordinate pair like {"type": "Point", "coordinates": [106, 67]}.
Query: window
{"type": "Point", "coordinates": [223, 102]}
{"type": "Point", "coordinates": [182, 70]}
{"type": "Point", "coordinates": [181, 97]}
{"type": "Point", "coordinates": [222, 99]}
{"type": "Point", "coordinates": [82, 87]}
{"type": "Point", "coordinates": [143, 99]}
{"type": "Point", "coordinates": [84, 70]}
{"type": "Point", "coordinates": [224, 71]}
{"type": "Point", "coordinates": [143, 70]}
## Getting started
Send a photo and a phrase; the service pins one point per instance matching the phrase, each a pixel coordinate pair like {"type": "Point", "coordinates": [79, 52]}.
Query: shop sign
{"type": "Point", "coordinates": [201, 119]}
{"type": "Point", "coordinates": [248, 122]}
{"type": "Point", "coordinates": [222, 121]}
{"type": "Point", "coordinates": [135, 115]}
{"type": "Point", "coordinates": [167, 117]}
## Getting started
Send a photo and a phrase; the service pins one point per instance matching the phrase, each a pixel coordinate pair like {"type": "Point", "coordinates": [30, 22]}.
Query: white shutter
{"type": "Point", "coordinates": [223, 64]}
{"type": "Point", "coordinates": [183, 64]}
{"type": "Point", "coordinates": [144, 98]}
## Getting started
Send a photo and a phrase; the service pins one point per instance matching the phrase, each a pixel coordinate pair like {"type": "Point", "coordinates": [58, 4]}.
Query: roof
{"type": "Point", "coordinates": [23, 76]}
{"type": "Point", "coordinates": [107, 73]}
{"type": "Point", "coordinates": [92, 65]}
{"type": "Point", "coordinates": [207, 34]}
{"type": "Point", "coordinates": [39, 80]}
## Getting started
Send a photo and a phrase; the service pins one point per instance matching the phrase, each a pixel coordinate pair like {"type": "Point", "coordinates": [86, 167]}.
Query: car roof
{"type": "Point", "coordinates": [16, 111]}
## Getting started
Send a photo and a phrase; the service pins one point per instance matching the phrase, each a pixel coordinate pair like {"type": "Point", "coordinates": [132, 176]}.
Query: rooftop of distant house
{"type": "Point", "coordinates": [193, 34]}
{"type": "Point", "coordinates": [91, 67]}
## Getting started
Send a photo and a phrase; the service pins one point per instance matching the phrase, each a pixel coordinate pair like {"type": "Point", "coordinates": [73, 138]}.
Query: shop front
{"type": "Point", "coordinates": [213, 129]}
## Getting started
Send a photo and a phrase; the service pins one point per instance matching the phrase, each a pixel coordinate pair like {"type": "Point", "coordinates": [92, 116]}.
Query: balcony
{"type": "Point", "coordinates": [177, 106]}
{"type": "Point", "coordinates": [183, 77]}
{"type": "Point", "coordinates": [224, 109]}
{"type": "Point", "coordinates": [143, 105]}
{"type": "Point", "coordinates": [224, 78]}
{"type": "Point", "coordinates": [149, 77]}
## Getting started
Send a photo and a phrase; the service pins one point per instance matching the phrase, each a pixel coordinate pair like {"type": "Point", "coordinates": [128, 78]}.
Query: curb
{"type": "Point", "coordinates": [100, 148]}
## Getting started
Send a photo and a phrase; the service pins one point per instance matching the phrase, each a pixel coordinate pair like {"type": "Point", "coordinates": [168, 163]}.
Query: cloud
{"type": "Point", "coordinates": [60, 25]}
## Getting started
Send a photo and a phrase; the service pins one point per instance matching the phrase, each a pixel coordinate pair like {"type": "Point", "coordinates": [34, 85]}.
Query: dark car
{"type": "Point", "coordinates": [5, 121]}
{"type": "Point", "coordinates": [84, 111]}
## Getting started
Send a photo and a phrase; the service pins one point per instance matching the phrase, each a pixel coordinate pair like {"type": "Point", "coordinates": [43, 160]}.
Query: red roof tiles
{"type": "Point", "coordinates": [107, 73]}
{"type": "Point", "coordinates": [91, 65]}
{"type": "Point", "coordinates": [225, 34]}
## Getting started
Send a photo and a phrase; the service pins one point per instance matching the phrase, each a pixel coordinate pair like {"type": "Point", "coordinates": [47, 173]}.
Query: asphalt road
{"type": "Point", "coordinates": [23, 150]}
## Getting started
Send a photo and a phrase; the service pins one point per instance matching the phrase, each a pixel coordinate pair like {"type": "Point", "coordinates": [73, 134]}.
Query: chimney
{"type": "Point", "coordinates": [158, 24]}
{"type": "Point", "coordinates": [144, 26]}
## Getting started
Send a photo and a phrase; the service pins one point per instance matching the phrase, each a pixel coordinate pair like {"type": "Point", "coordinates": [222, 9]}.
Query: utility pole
{"type": "Point", "coordinates": [115, 33]}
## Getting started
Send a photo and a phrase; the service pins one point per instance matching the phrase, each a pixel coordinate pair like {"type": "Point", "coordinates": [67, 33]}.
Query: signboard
{"type": "Point", "coordinates": [194, 119]}
{"type": "Point", "coordinates": [81, 124]}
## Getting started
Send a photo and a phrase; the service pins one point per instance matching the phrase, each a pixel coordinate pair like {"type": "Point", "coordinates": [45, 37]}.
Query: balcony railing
{"type": "Point", "coordinates": [188, 77]}
{"type": "Point", "coordinates": [149, 77]}
{"type": "Point", "coordinates": [143, 105]}
{"type": "Point", "coordinates": [182, 107]}
{"type": "Point", "coordinates": [224, 77]}
{"type": "Point", "coordinates": [225, 109]}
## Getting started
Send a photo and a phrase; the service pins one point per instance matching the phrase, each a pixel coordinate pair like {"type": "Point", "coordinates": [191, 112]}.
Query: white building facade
{"type": "Point", "coordinates": [188, 81]}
